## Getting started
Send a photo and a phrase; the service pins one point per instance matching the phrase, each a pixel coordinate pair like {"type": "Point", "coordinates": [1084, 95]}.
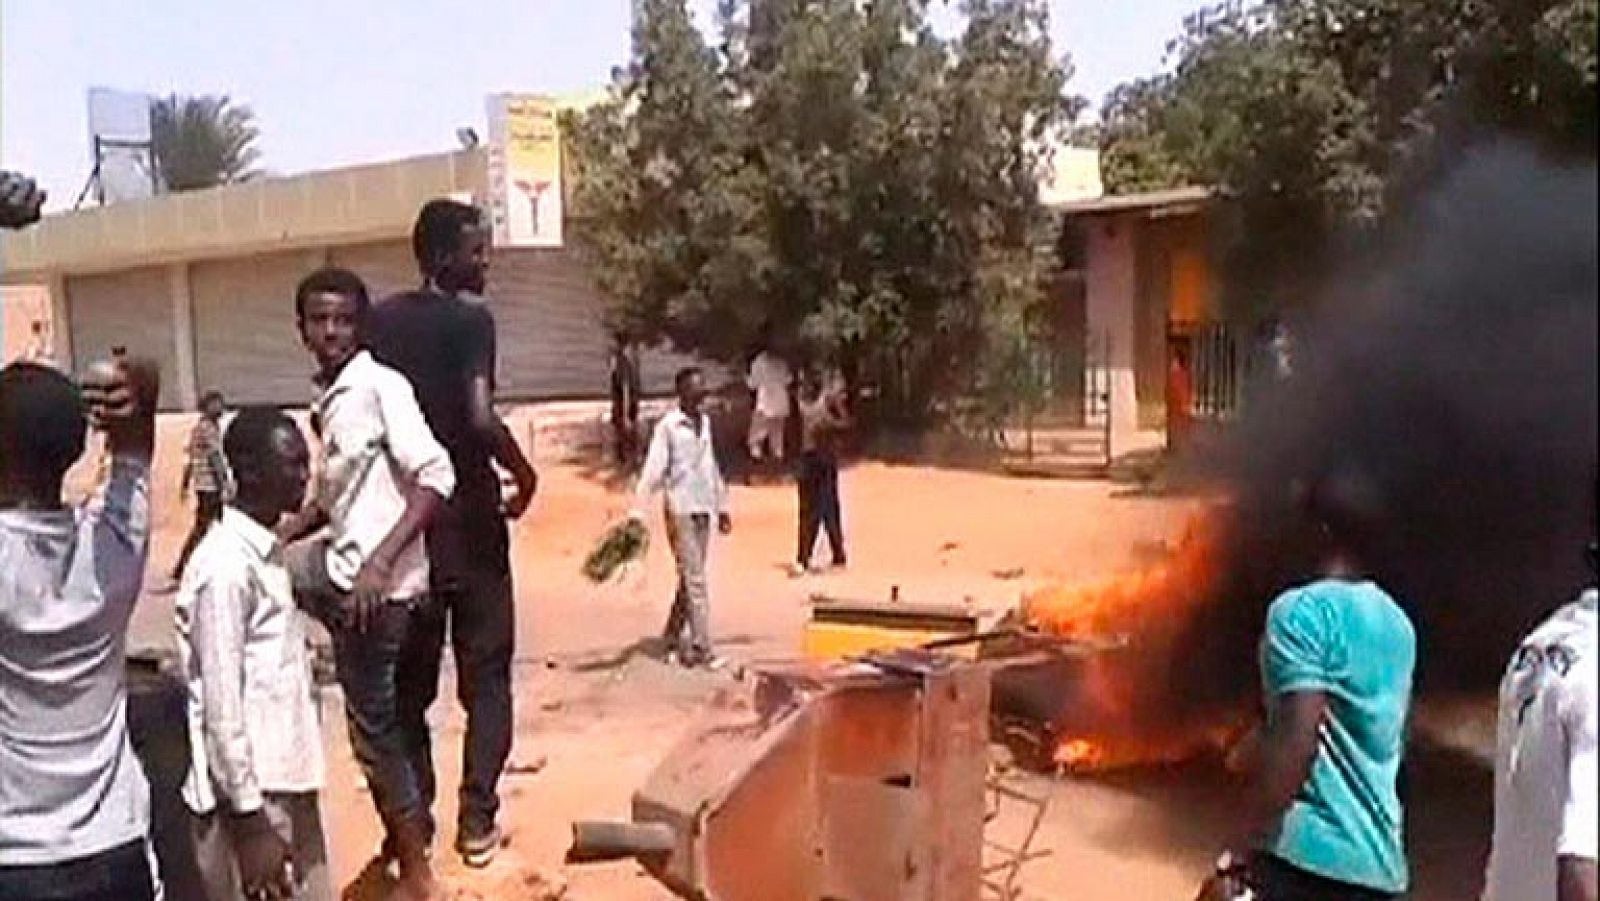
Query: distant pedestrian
{"type": "Point", "coordinates": [205, 472]}
{"type": "Point", "coordinates": [1322, 817]}
{"type": "Point", "coordinates": [1547, 768]}
{"type": "Point", "coordinates": [254, 727]}
{"type": "Point", "coordinates": [625, 390]}
{"type": "Point", "coordinates": [682, 463]}
{"type": "Point", "coordinates": [770, 379]}
{"type": "Point", "coordinates": [823, 419]}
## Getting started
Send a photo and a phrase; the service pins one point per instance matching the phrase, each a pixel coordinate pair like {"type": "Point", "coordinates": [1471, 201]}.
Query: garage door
{"type": "Point", "coordinates": [387, 267]}
{"type": "Point", "coordinates": [131, 309]}
{"type": "Point", "coordinates": [246, 345]}
{"type": "Point", "coordinates": [550, 338]}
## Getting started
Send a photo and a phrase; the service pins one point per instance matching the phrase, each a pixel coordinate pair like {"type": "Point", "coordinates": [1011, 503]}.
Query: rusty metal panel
{"type": "Point", "coordinates": [760, 840]}
{"type": "Point", "coordinates": [870, 731]}
{"type": "Point", "coordinates": [872, 833]}
{"type": "Point", "coordinates": [953, 770]}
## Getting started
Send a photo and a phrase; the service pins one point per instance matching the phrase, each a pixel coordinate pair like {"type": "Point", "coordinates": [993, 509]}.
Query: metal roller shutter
{"type": "Point", "coordinates": [386, 267]}
{"type": "Point", "coordinates": [550, 339]}
{"type": "Point", "coordinates": [246, 345]}
{"type": "Point", "coordinates": [131, 309]}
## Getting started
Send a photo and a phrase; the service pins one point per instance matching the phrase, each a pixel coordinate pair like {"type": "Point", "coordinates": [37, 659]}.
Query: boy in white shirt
{"type": "Point", "coordinates": [382, 477]}
{"type": "Point", "coordinates": [254, 736]}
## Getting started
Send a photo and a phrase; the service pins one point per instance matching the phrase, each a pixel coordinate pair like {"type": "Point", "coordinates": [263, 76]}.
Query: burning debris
{"type": "Point", "coordinates": [1118, 708]}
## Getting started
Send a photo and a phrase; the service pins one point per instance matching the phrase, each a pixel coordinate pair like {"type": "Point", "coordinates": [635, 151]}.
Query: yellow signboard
{"type": "Point", "coordinates": [525, 171]}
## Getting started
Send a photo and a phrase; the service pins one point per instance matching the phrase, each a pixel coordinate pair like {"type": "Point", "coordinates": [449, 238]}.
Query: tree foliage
{"type": "Point", "coordinates": [830, 172]}
{"type": "Point", "coordinates": [203, 141]}
{"type": "Point", "coordinates": [1315, 116]}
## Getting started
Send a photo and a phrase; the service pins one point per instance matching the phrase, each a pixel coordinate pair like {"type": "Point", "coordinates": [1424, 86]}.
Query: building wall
{"type": "Point", "coordinates": [130, 309]}
{"type": "Point", "coordinates": [20, 307]}
{"type": "Point", "coordinates": [1111, 279]}
{"type": "Point", "coordinates": [245, 341]}
{"type": "Point", "coordinates": [240, 336]}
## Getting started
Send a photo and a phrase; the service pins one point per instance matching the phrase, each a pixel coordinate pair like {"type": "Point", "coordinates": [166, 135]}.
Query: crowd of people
{"type": "Point", "coordinates": [393, 535]}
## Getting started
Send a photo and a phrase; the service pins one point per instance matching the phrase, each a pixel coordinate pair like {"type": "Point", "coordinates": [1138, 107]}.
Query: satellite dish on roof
{"type": "Point", "coordinates": [121, 147]}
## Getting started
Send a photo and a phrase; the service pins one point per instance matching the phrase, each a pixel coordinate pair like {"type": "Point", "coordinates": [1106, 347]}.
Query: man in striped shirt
{"type": "Point", "coordinates": [205, 472]}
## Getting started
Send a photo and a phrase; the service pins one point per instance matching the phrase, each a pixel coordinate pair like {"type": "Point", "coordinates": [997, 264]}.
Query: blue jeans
{"type": "Point", "coordinates": [366, 665]}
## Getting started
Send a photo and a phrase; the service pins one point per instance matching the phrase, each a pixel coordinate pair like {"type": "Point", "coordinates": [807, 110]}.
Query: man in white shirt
{"type": "Point", "coordinates": [1545, 775]}
{"type": "Point", "coordinates": [382, 477]}
{"type": "Point", "coordinates": [74, 803]}
{"type": "Point", "coordinates": [254, 737]}
{"type": "Point", "coordinates": [683, 463]}
{"type": "Point", "coordinates": [770, 378]}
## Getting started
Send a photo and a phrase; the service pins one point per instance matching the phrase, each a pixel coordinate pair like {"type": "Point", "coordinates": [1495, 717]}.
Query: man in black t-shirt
{"type": "Point", "coordinates": [442, 338]}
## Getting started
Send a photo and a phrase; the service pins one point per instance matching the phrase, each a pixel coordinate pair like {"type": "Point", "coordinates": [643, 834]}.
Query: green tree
{"type": "Point", "coordinates": [836, 175]}
{"type": "Point", "coordinates": [1315, 117]}
{"type": "Point", "coordinates": [203, 141]}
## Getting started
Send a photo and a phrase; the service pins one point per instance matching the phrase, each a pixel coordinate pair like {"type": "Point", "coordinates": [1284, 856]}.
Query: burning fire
{"type": "Point", "coordinates": [1120, 727]}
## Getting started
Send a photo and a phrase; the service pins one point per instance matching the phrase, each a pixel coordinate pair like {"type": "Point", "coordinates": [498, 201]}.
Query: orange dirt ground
{"type": "Point", "coordinates": [594, 716]}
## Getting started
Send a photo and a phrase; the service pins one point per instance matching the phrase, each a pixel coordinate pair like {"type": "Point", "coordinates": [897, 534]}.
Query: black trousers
{"type": "Point", "coordinates": [818, 479]}
{"type": "Point", "coordinates": [207, 510]}
{"type": "Point", "coordinates": [471, 603]}
{"type": "Point", "coordinates": [120, 874]}
{"type": "Point", "coordinates": [1277, 880]}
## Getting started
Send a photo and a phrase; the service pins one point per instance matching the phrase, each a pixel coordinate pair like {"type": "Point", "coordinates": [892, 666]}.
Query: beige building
{"type": "Point", "coordinates": [204, 281]}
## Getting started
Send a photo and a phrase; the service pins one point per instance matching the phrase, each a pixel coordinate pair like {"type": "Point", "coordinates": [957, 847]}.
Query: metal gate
{"type": "Point", "coordinates": [1216, 367]}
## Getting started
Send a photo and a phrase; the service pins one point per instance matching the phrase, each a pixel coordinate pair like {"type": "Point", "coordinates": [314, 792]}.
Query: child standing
{"type": "Point", "coordinates": [382, 478]}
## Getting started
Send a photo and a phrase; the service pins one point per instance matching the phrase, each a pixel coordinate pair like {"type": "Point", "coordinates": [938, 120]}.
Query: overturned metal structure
{"type": "Point", "coordinates": [865, 780]}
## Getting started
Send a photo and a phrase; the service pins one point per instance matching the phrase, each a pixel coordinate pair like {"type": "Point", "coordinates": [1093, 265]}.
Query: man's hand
{"type": "Point", "coordinates": [369, 593]}
{"type": "Point", "coordinates": [1575, 879]}
{"type": "Point", "coordinates": [522, 497]}
{"type": "Point", "coordinates": [21, 201]}
{"type": "Point", "coordinates": [121, 394]}
{"type": "Point", "coordinates": [724, 523]}
{"type": "Point", "coordinates": [266, 867]}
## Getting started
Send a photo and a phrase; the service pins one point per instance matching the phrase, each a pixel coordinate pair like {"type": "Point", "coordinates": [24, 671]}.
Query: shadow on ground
{"type": "Point", "coordinates": [1448, 798]}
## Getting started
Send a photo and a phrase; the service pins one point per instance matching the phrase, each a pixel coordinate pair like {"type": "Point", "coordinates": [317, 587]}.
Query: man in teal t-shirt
{"type": "Point", "coordinates": [1323, 819]}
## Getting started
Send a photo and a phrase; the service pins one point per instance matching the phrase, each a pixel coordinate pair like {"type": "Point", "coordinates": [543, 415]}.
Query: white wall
{"type": "Point", "coordinates": [1111, 283]}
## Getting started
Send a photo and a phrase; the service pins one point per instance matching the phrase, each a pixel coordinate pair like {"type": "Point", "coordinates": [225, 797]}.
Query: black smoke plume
{"type": "Point", "coordinates": [1455, 367]}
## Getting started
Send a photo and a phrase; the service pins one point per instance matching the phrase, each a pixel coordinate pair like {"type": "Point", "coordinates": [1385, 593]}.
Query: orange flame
{"type": "Point", "coordinates": [1142, 606]}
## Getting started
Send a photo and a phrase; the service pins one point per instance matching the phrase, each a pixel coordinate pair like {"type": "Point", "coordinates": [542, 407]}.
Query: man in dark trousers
{"type": "Point", "coordinates": [625, 391]}
{"type": "Point", "coordinates": [442, 337]}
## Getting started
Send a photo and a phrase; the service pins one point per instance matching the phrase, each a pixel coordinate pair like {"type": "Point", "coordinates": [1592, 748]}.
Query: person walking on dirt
{"type": "Point", "coordinates": [255, 738]}
{"type": "Point", "coordinates": [822, 420]}
{"type": "Point", "coordinates": [1322, 817]}
{"type": "Point", "coordinates": [205, 472]}
{"type": "Point", "coordinates": [682, 463]}
{"type": "Point", "coordinates": [442, 338]}
{"type": "Point", "coordinates": [1546, 774]}
{"type": "Point", "coordinates": [75, 803]}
